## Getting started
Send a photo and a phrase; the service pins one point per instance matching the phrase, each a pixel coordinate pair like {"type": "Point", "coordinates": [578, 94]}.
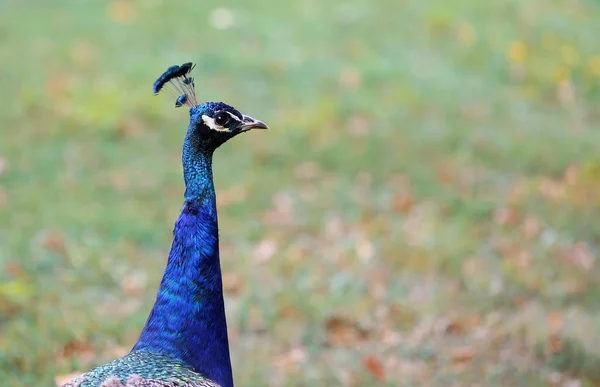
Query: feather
{"type": "Point", "coordinates": [142, 369]}
{"type": "Point", "coordinates": [182, 84]}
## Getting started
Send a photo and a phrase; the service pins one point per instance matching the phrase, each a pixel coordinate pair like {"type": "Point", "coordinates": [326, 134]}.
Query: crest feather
{"type": "Point", "coordinates": [179, 82]}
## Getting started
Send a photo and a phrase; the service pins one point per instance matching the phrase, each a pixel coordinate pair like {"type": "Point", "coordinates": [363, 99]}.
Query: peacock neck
{"type": "Point", "coordinates": [188, 321]}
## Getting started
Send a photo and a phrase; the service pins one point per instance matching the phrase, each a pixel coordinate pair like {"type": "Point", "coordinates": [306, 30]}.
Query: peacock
{"type": "Point", "coordinates": [184, 342]}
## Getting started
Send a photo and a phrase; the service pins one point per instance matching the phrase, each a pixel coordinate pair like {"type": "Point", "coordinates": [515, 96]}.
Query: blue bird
{"type": "Point", "coordinates": [184, 342]}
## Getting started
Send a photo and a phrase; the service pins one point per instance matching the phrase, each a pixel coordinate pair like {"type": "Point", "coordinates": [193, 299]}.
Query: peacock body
{"type": "Point", "coordinates": [184, 342]}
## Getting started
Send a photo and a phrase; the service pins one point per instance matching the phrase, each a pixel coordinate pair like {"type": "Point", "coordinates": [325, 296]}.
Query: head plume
{"type": "Point", "coordinates": [178, 81]}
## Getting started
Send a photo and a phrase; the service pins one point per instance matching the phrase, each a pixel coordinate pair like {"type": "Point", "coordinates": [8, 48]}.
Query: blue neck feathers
{"type": "Point", "coordinates": [187, 321]}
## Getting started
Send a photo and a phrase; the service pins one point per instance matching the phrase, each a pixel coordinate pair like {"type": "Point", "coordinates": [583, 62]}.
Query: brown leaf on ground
{"type": "Point", "coordinates": [555, 321]}
{"type": "Point", "coordinates": [462, 354]}
{"type": "Point", "coordinates": [54, 241]}
{"type": "Point", "coordinates": [505, 247]}
{"type": "Point", "coordinates": [232, 283]}
{"type": "Point", "coordinates": [581, 256]}
{"type": "Point", "coordinates": [375, 367]}
{"type": "Point", "coordinates": [84, 352]}
{"type": "Point", "coordinates": [344, 332]}
{"type": "Point", "coordinates": [445, 174]}
{"type": "Point", "coordinates": [291, 360]}
{"type": "Point", "coordinates": [552, 190]}
{"type": "Point", "coordinates": [519, 300]}
{"type": "Point", "coordinates": [457, 326]}
{"type": "Point", "coordinates": [14, 269]}
{"type": "Point", "coordinates": [133, 283]}
{"type": "Point", "coordinates": [571, 175]}
{"type": "Point", "coordinates": [506, 216]}
{"type": "Point", "coordinates": [57, 85]}
{"type": "Point", "coordinates": [403, 203]}
{"type": "Point", "coordinates": [290, 312]}
{"type": "Point", "coordinates": [522, 259]}
{"type": "Point", "coordinates": [577, 255]}
{"type": "Point", "coordinates": [76, 347]}
{"type": "Point", "coordinates": [554, 344]}
{"type": "Point", "coordinates": [576, 286]}
{"type": "Point", "coordinates": [531, 227]}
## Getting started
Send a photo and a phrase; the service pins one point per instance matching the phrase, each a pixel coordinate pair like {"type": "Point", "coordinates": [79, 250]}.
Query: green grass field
{"type": "Point", "coordinates": [424, 211]}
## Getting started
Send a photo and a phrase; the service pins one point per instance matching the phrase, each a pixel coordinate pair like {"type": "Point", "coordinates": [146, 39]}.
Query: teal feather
{"type": "Point", "coordinates": [142, 369]}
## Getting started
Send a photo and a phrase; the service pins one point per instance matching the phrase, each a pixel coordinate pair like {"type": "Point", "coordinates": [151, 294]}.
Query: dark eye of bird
{"type": "Point", "coordinates": [222, 119]}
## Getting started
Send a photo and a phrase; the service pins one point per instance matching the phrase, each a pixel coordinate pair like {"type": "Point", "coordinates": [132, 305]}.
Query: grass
{"type": "Point", "coordinates": [422, 213]}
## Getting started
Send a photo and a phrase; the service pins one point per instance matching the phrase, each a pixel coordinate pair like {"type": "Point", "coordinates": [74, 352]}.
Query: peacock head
{"type": "Point", "coordinates": [211, 123]}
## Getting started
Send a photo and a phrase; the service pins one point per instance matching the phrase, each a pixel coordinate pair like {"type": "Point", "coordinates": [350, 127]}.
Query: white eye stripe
{"type": "Point", "coordinates": [210, 122]}
{"type": "Point", "coordinates": [234, 116]}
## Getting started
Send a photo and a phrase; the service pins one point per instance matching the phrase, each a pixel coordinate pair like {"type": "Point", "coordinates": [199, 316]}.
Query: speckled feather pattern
{"type": "Point", "coordinates": [142, 369]}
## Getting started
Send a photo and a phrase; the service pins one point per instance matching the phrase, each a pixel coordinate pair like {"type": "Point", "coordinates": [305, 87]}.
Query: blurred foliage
{"type": "Point", "coordinates": [423, 211]}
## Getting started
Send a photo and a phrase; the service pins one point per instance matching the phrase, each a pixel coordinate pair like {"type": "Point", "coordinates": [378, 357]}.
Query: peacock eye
{"type": "Point", "coordinates": [222, 119]}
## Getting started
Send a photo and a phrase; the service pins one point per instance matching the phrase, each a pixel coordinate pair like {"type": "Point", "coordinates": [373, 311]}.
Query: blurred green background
{"type": "Point", "coordinates": [424, 210]}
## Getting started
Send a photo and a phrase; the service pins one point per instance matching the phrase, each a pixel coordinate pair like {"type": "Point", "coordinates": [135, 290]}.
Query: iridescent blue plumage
{"type": "Point", "coordinates": [172, 73]}
{"type": "Point", "coordinates": [184, 342]}
{"type": "Point", "coordinates": [181, 83]}
{"type": "Point", "coordinates": [181, 100]}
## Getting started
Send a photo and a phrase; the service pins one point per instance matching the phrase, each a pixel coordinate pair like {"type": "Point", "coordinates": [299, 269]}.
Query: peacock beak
{"type": "Point", "coordinates": [251, 123]}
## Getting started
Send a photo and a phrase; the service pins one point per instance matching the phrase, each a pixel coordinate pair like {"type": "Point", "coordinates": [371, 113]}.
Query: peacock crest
{"type": "Point", "coordinates": [177, 79]}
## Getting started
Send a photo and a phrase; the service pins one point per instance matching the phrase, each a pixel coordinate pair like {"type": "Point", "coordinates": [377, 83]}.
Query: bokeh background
{"type": "Point", "coordinates": [424, 212]}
